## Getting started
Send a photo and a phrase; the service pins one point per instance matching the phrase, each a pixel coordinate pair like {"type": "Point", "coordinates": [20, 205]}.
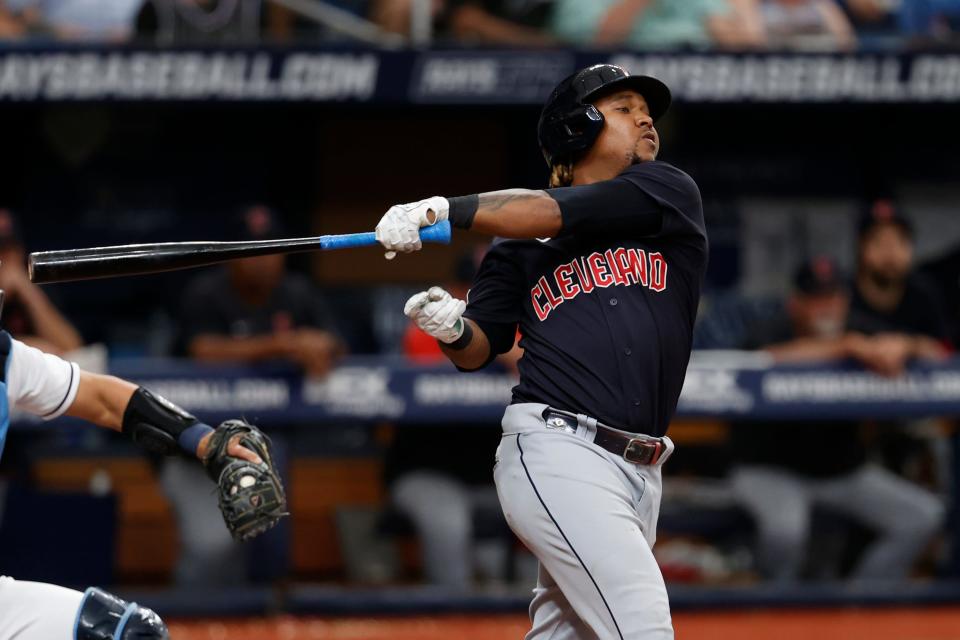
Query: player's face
{"type": "Point", "coordinates": [628, 133]}
{"type": "Point", "coordinates": [820, 315]}
{"type": "Point", "coordinates": [886, 253]}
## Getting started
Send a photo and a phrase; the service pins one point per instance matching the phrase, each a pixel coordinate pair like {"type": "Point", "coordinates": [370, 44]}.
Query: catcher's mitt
{"type": "Point", "coordinates": [251, 495]}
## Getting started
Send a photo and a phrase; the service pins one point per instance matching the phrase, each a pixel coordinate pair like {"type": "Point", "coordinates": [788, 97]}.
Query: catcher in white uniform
{"type": "Point", "coordinates": [236, 455]}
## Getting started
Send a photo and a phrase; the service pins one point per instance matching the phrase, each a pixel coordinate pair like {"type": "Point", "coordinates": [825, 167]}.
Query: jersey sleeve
{"type": "Point", "coordinates": [40, 383]}
{"type": "Point", "coordinates": [494, 300]}
{"type": "Point", "coordinates": [647, 200]}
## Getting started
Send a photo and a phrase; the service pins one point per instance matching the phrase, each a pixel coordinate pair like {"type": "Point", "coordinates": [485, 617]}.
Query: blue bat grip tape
{"type": "Point", "coordinates": [439, 232]}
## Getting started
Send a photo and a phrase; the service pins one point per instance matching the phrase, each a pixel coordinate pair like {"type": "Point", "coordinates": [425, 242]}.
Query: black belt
{"type": "Point", "coordinates": [632, 447]}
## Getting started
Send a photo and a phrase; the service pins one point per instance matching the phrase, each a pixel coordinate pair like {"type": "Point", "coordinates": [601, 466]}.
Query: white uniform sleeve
{"type": "Point", "coordinates": [40, 383]}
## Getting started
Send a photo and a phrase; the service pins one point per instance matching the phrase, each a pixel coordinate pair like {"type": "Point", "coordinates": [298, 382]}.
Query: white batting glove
{"type": "Point", "coordinates": [437, 313]}
{"type": "Point", "coordinates": [399, 228]}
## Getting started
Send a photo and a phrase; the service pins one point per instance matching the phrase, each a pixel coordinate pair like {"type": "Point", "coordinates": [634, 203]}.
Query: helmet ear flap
{"type": "Point", "coordinates": [570, 132]}
{"type": "Point", "coordinates": [585, 123]}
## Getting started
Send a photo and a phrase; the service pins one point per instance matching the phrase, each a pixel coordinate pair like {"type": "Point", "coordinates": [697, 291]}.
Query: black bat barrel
{"type": "Point", "coordinates": [136, 259]}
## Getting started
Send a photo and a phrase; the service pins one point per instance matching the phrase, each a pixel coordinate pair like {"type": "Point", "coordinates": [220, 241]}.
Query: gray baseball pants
{"type": "Point", "coordinates": [590, 518]}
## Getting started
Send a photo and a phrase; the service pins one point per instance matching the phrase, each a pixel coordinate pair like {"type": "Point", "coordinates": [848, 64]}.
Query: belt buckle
{"type": "Point", "coordinates": [643, 451]}
{"type": "Point", "coordinates": [557, 422]}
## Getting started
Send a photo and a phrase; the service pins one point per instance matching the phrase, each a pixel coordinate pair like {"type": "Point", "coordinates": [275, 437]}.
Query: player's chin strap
{"type": "Point", "coordinates": [104, 616]}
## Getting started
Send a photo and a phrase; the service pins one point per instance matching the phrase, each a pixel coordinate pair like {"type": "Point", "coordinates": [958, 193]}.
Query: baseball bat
{"type": "Point", "coordinates": [135, 259]}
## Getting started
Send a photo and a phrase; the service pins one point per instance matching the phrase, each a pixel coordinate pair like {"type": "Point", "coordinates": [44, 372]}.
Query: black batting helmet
{"type": "Point", "coordinates": [569, 124]}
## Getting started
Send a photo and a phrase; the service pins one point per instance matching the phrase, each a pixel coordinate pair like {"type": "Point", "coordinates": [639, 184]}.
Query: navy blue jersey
{"type": "Point", "coordinates": [606, 309]}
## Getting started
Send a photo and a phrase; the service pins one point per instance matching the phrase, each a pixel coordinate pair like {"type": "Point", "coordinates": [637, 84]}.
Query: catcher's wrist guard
{"type": "Point", "coordinates": [251, 495]}
{"type": "Point", "coordinates": [160, 426]}
{"type": "Point", "coordinates": [104, 616]}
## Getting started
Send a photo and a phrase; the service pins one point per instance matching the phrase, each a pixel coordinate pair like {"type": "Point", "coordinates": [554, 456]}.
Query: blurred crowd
{"type": "Point", "coordinates": [821, 25]}
{"type": "Point", "coordinates": [885, 478]}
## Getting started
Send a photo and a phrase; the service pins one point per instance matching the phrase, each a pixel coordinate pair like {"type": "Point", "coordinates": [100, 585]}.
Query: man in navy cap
{"type": "Point", "coordinates": [254, 310]}
{"type": "Point", "coordinates": [889, 299]}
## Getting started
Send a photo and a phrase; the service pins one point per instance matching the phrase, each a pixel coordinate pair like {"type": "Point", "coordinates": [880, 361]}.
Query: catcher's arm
{"type": "Point", "coordinates": [251, 495]}
{"type": "Point", "coordinates": [150, 420]}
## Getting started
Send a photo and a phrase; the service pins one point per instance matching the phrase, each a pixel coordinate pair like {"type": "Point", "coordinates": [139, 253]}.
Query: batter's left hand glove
{"type": "Point", "coordinates": [251, 495]}
{"type": "Point", "coordinates": [437, 313]}
{"type": "Point", "coordinates": [399, 228]}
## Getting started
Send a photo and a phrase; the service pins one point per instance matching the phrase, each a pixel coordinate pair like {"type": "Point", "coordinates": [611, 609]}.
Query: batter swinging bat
{"type": "Point", "coordinates": [134, 259]}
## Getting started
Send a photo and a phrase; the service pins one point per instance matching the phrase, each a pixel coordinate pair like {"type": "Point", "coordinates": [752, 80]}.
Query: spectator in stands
{"type": "Point", "coordinates": [13, 26]}
{"type": "Point", "coordinates": [649, 24]}
{"type": "Point", "coordinates": [919, 20]}
{"type": "Point", "coordinates": [96, 20]}
{"type": "Point", "coordinates": [253, 310]}
{"type": "Point", "coordinates": [203, 21]}
{"type": "Point", "coordinates": [444, 496]}
{"type": "Point", "coordinates": [502, 22]}
{"type": "Point", "coordinates": [516, 23]}
{"type": "Point", "coordinates": [27, 311]}
{"type": "Point", "coordinates": [924, 19]}
{"type": "Point", "coordinates": [904, 311]}
{"type": "Point", "coordinates": [806, 24]}
{"type": "Point", "coordinates": [784, 469]}
{"type": "Point", "coordinates": [248, 311]}
{"type": "Point", "coordinates": [890, 300]}
{"type": "Point", "coordinates": [878, 13]}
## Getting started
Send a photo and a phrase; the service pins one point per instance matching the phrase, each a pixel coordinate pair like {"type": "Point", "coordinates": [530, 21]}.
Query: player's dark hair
{"type": "Point", "coordinates": [561, 175]}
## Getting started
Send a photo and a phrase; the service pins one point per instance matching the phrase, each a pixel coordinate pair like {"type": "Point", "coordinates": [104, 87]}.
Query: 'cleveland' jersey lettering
{"type": "Point", "coordinates": [605, 316]}
{"type": "Point", "coordinates": [614, 267]}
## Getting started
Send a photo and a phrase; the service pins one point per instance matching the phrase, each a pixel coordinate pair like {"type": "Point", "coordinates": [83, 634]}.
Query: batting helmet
{"type": "Point", "coordinates": [569, 124]}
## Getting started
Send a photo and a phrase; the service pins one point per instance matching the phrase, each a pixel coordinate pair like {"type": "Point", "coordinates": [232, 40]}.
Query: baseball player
{"type": "Point", "coordinates": [602, 274]}
{"type": "Point", "coordinates": [47, 386]}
